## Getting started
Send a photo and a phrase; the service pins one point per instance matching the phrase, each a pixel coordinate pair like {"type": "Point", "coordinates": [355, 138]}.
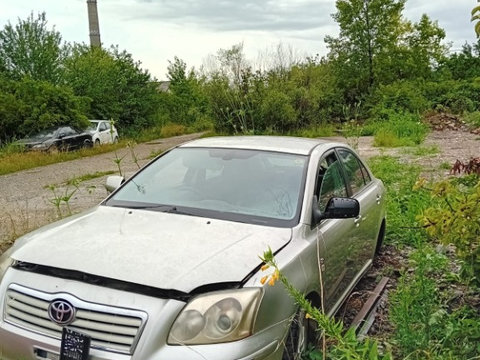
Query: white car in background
{"type": "Point", "coordinates": [103, 132]}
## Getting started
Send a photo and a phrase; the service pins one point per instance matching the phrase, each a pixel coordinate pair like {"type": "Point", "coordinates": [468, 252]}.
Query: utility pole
{"type": "Point", "coordinates": [93, 23]}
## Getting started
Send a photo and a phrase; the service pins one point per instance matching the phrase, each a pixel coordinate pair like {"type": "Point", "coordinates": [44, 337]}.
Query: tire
{"type": "Point", "coordinates": [380, 238]}
{"type": "Point", "coordinates": [115, 140]}
{"type": "Point", "coordinates": [97, 142]}
{"type": "Point", "coordinates": [302, 333]}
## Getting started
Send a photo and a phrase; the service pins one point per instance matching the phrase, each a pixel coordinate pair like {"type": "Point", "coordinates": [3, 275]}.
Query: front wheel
{"type": "Point", "coordinates": [302, 333]}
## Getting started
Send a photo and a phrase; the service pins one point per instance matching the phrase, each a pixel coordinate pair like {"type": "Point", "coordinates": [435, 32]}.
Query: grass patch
{"type": "Point", "coordinates": [423, 150]}
{"type": "Point", "coordinates": [79, 179]}
{"type": "Point", "coordinates": [395, 129]}
{"type": "Point", "coordinates": [16, 161]}
{"type": "Point", "coordinates": [325, 130]}
{"type": "Point", "coordinates": [403, 204]}
{"type": "Point", "coordinates": [473, 119]}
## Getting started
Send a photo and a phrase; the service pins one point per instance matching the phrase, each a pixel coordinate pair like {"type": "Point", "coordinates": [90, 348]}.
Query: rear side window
{"type": "Point", "coordinates": [356, 174]}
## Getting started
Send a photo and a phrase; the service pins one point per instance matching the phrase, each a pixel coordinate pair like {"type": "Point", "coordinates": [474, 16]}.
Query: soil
{"type": "Point", "coordinates": [26, 201]}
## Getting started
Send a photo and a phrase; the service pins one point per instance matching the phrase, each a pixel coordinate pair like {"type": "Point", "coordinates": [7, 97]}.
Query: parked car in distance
{"type": "Point", "coordinates": [60, 138]}
{"type": "Point", "coordinates": [168, 267]}
{"type": "Point", "coordinates": [103, 132]}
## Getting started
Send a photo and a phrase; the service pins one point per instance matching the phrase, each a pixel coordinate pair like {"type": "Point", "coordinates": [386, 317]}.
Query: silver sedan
{"type": "Point", "coordinates": [168, 267]}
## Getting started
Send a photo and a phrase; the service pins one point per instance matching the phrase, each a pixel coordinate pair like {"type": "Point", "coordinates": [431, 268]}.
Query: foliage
{"type": "Point", "coordinates": [473, 119]}
{"type": "Point", "coordinates": [403, 204]}
{"type": "Point", "coordinates": [368, 30]}
{"type": "Point", "coordinates": [393, 129]}
{"type": "Point", "coordinates": [118, 87]}
{"type": "Point", "coordinates": [185, 102]}
{"type": "Point", "coordinates": [28, 106]}
{"type": "Point", "coordinates": [453, 219]}
{"type": "Point", "coordinates": [343, 345]}
{"type": "Point", "coordinates": [425, 326]}
{"type": "Point", "coordinates": [476, 17]}
{"type": "Point", "coordinates": [31, 49]}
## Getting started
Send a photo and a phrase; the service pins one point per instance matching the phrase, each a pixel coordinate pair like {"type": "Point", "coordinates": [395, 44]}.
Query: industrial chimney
{"type": "Point", "coordinates": [93, 23]}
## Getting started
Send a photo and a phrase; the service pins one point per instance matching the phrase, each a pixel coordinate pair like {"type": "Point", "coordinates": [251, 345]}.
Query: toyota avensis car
{"type": "Point", "coordinates": [168, 267]}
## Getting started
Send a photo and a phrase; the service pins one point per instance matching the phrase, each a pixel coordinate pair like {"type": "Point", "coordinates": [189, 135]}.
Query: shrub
{"type": "Point", "coordinates": [454, 219]}
{"type": "Point", "coordinates": [395, 129]}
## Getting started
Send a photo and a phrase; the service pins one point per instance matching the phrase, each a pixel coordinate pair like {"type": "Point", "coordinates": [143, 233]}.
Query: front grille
{"type": "Point", "coordinates": [110, 328]}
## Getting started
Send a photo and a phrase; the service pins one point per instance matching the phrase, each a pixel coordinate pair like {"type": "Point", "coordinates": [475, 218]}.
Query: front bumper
{"type": "Point", "coordinates": [20, 343]}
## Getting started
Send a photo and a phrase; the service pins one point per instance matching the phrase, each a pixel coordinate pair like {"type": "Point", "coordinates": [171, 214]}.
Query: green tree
{"type": "Point", "coordinates": [369, 31]}
{"type": "Point", "coordinates": [115, 83]}
{"type": "Point", "coordinates": [425, 49]}
{"type": "Point", "coordinates": [185, 102]}
{"type": "Point", "coordinates": [31, 49]}
{"type": "Point", "coordinates": [28, 106]}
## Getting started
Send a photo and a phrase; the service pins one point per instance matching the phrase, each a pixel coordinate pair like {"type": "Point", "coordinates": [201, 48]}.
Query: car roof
{"type": "Point", "coordinates": [97, 121]}
{"type": "Point", "coordinates": [287, 144]}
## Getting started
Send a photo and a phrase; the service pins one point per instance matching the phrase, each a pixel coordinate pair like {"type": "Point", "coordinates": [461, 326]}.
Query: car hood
{"type": "Point", "coordinates": [163, 250]}
{"type": "Point", "coordinates": [35, 140]}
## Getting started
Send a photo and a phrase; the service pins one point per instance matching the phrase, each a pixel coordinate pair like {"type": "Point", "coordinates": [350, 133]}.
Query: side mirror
{"type": "Point", "coordinates": [113, 182]}
{"type": "Point", "coordinates": [337, 208]}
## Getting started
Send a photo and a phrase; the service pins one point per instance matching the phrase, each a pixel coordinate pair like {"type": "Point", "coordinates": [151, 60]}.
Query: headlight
{"type": "Point", "coordinates": [217, 317]}
{"type": "Point", "coordinates": [39, 146]}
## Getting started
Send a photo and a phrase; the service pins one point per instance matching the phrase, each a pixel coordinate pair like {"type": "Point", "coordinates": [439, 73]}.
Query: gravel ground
{"type": "Point", "coordinates": [25, 200]}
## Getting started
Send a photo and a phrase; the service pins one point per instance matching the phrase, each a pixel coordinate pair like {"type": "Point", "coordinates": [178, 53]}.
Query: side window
{"type": "Point", "coordinates": [354, 171]}
{"type": "Point", "coordinates": [103, 127]}
{"type": "Point", "coordinates": [67, 131]}
{"type": "Point", "coordinates": [330, 182]}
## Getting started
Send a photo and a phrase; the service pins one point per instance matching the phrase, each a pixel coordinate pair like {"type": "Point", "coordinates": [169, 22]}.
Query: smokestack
{"type": "Point", "coordinates": [93, 23]}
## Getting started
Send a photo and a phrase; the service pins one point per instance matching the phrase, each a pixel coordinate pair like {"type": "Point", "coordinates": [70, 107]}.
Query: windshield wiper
{"type": "Point", "coordinates": [160, 207]}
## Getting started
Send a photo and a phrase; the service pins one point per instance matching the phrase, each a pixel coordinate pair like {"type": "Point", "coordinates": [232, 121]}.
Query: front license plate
{"type": "Point", "coordinates": [75, 345]}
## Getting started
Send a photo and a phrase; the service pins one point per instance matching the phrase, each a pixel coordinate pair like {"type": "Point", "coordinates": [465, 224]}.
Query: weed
{"type": "Point", "coordinates": [473, 119]}
{"type": "Point", "coordinates": [346, 345]}
{"type": "Point", "coordinates": [423, 150]}
{"type": "Point", "coordinates": [325, 130]}
{"type": "Point", "coordinates": [60, 198]}
{"type": "Point", "coordinates": [170, 130]}
{"type": "Point", "coordinates": [445, 166]}
{"type": "Point", "coordinates": [79, 179]}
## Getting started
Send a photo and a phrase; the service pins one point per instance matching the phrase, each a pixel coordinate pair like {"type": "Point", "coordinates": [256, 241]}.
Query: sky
{"type": "Point", "coordinates": [155, 31]}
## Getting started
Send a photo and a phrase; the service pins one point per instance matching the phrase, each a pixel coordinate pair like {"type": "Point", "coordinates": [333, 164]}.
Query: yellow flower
{"type": "Point", "coordinates": [272, 281]}
{"type": "Point", "coordinates": [308, 316]}
{"type": "Point", "coordinates": [263, 279]}
{"type": "Point", "coordinates": [265, 267]}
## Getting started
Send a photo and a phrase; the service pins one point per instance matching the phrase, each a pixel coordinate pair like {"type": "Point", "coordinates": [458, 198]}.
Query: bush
{"type": "Point", "coordinates": [28, 106]}
{"type": "Point", "coordinates": [454, 219]}
{"type": "Point", "coordinates": [395, 129]}
{"type": "Point", "coordinates": [401, 97]}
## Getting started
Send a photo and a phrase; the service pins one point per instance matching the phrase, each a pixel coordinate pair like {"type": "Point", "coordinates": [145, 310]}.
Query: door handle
{"type": "Point", "coordinates": [357, 220]}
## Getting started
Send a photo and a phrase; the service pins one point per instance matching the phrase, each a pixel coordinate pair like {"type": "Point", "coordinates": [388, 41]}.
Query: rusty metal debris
{"type": "Point", "coordinates": [366, 316]}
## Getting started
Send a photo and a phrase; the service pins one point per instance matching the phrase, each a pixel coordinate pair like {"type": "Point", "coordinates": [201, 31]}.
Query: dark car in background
{"type": "Point", "coordinates": [60, 138]}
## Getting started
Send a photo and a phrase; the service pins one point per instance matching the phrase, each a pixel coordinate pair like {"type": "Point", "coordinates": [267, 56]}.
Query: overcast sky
{"type": "Point", "coordinates": [154, 31]}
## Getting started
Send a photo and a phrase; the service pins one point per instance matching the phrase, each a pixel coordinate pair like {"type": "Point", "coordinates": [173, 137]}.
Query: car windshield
{"type": "Point", "coordinates": [92, 126]}
{"type": "Point", "coordinates": [242, 185]}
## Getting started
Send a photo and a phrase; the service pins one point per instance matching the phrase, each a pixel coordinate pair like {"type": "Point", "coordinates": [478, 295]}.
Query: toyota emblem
{"type": "Point", "coordinates": [61, 312]}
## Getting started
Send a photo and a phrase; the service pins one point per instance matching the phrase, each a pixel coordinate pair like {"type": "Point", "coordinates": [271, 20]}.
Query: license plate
{"type": "Point", "coordinates": [75, 345]}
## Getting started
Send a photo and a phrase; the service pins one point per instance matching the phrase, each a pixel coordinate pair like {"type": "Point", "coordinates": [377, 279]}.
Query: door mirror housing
{"type": "Point", "coordinates": [113, 182]}
{"type": "Point", "coordinates": [337, 208]}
